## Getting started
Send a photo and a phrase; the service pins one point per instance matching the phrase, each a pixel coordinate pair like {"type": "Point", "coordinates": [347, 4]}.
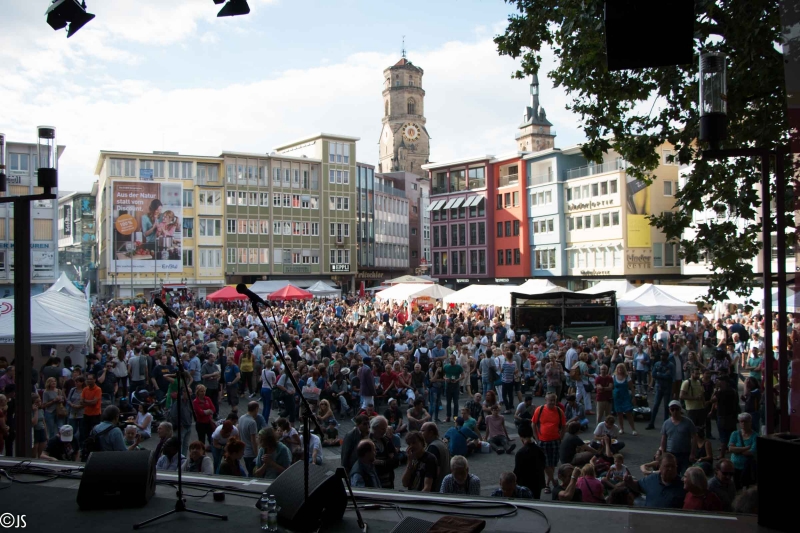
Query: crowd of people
{"type": "Point", "coordinates": [369, 361]}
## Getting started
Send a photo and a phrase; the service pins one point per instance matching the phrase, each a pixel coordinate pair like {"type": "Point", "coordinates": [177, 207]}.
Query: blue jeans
{"type": "Point", "coordinates": [433, 400]}
{"type": "Point", "coordinates": [52, 423]}
{"type": "Point", "coordinates": [76, 427]}
{"type": "Point", "coordinates": [508, 395]}
{"type": "Point", "coordinates": [663, 393]}
{"type": "Point", "coordinates": [487, 386]}
{"type": "Point", "coordinates": [641, 381]}
{"type": "Point", "coordinates": [451, 394]}
{"type": "Point", "coordinates": [216, 453]}
{"type": "Point", "coordinates": [266, 399]}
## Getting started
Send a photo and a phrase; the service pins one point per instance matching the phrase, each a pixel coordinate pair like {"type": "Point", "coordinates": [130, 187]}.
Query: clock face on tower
{"type": "Point", "coordinates": [411, 131]}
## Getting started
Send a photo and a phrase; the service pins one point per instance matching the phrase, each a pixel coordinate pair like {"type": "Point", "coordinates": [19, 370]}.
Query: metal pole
{"type": "Point", "coordinates": [780, 236]}
{"type": "Point", "coordinates": [766, 257]}
{"type": "Point", "coordinates": [23, 445]}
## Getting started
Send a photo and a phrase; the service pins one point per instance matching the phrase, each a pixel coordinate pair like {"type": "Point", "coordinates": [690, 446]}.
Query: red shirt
{"type": "Point", "coordinates": [549, 422]}
{"type": "Point", "coordinates": [387, 380]}
{"type": "Point", "coordinates": [604, 381]}
{"type": "Point", "coordinates": [707, 502]}
{"type": "Point", "coordinates": [199, 407]}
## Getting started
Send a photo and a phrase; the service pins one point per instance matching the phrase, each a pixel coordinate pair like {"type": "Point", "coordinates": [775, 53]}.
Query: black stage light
{"type": "Point", "coordinates": [233, 8]}
{"type": "Point", "coordinates": [219, 2]}
{"type": "Point", "coordinates": [63, 12]}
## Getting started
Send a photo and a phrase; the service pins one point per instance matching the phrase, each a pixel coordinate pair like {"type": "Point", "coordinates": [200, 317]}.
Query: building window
{"type": "Point", "coordinates": [595, 189]}
{"type": "Point", "coordinates": [612, 186]}
{"type": "Point", "coordinates": [412, 107]}
{"type": "Point", "coordinates": [263, 227]}
{"type": "Point", "coordinates": [20, 162]}
{"type": "Point", "coordinates": [546, 258]}
{"type": "Point", "coordinates": [596, 221]}
{"type": "Point", "coordinates": [671, 258]}
{"type": "Point", "coordinates": [477, 178]}
{"type": "Point", "coordinates": [211, 258]}
{"type": "Point", "coordinates": [507, 199]}
{"type": "Point", "coordinates": [517, 256]}
{"type": "Point", "coordinates": [231, 225]}
{"type": "Point", "coordinates": [211, 227]}
{"type": "Point", "coordinates": [603, 187]}
{"type": "Point", "coordinates": [606, 219]}
{"type": "Point", "coordinates": [188, 258]}
{"type": "Point", "coordinates": [42, 229]}
{"type": "Point", "coordinates": [516, 228]}
{"type": "Point", "coordinates": [242, 198]}
{"type": "Point", "coordinates": [263, 256]}
{"type": "Point", "coordinates": [188, 228]}
{"type": "Point", "coordinates": [242, 227]}
{"type": "Point", "coordinates": [668, 188]}
{"type": "Point", "coordinates": [658, 254]}
{"type": "Point", "coordinates": [481, 233]}
{"type": "Point", "coordinates": [209, 198]}
{"type": "Point", "coordinates": [499, 201]}
{"type": "Point", "coordinates": [500, 256]}
{"type": "Point", "coordinates": [188, 198]}
{"type": "Point", "coordinates": [615, 218]}
{"type": "Point", "coordinates": [230, 198]}
{"type": "Point", "coordinates": [508, 257]}
{"type": "Point", "coordinates": [230, 254]}
{"type": "Point", "coordinates": [508, 228]}
{"type": "Point", "coordinates": [515, 198]}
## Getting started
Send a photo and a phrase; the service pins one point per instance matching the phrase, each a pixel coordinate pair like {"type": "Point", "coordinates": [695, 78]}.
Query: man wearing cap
{"type": "Point", "coordinates": [63, 446]}
{"type": "Point", "coordinates": [678, 437]}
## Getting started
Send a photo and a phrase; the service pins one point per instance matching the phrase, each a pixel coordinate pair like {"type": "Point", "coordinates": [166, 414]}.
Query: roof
{"type": "Point", "coordinates": [404, 63]}
{"type": "Point", "coordinates": [432, 166]}
{"type": "Point", "coordinates": [272, 155]}
{"type": "Point", "coordinates": [317, 136]}
{"type": "Point", "coordinates": [150, 155]}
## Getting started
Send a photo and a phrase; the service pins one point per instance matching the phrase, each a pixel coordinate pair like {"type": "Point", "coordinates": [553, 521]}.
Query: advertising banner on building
{"type": "Point", "coordinates": [639, 232]}
{"type": "Point", "coordinates": [146, 223]}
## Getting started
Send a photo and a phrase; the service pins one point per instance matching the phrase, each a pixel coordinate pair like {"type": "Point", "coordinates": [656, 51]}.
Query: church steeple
{"type": "Point", "coordinates": [534, 134]}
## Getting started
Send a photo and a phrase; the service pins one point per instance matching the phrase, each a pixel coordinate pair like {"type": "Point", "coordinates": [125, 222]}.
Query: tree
{"type": "Point", "coordinates": [611, 107]}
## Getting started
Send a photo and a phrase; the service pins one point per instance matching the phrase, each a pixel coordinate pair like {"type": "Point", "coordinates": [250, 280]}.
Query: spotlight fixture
{"type": "Point", "coordinates": [63, 12]}
{"type": "Point", "coordinates": [233, 8]}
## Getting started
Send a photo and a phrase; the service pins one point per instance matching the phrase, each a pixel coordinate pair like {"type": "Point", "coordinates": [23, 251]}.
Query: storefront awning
{"type": "Point", "coordinates": [450, 203]}
{"type": "Point", "coordinates": [435, 205]}
{"type": "Point", "coordinates": [457, 203]}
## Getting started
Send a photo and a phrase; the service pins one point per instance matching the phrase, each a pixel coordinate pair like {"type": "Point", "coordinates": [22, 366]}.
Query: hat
{"type": "Point", "coordinates": [675, 403]}
{"type": "Point", "coordinates": [65, 433]}
{"type": "Point", "coordinates": [169, 341]}
{"type": "Point", "coordinates": [331, 421]}
{"type": "Point", "coordinates": [153, 345]}
{"type": "Point", "coordinates": [345, 371]}
{"type": "Point", "coordinates": [388, 337]}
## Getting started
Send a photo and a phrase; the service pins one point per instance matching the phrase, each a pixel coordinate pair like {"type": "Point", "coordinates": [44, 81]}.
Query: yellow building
{"type": "Point", "coordinates": [160, 223]}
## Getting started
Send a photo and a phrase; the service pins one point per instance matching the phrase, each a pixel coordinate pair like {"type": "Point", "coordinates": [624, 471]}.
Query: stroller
{"type": "Point", "coordinates": [641, 407]}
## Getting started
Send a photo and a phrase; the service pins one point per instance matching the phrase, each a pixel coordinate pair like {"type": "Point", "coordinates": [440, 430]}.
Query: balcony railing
{"type": "Point", "coordinates": [438, 190]}
{"type": "Point", "coordinates": [590, 170]}
{"type": "Point", "coordinates": [385, 189]}
{"type": "Point", "coordinates": [542, 178]}
{"type": "Point", "coordinates": [511, 179]}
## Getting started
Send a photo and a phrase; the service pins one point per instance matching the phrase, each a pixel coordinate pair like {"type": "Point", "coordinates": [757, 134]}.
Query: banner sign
{"type": "Point", "coordinates": [650, 318]}
{"type": "Point", "coordinates": [147, 221]}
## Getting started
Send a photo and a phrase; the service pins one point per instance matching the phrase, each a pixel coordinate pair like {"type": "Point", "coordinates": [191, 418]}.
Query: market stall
{"type": "Point", "coordinates": [225, 294]}
{"type": "Point", "coordinates": [648, 302]}
{"type": "Point", "coordinates": [409, 279]}
{"type": "Point", "coordinates": [483, 295]}
{"type": "Point", "coordinates": [290, 292]}
{"type": "Point", "coordinates": [323, 290]}
{"type": "Point", "coordinates": [620, 287]}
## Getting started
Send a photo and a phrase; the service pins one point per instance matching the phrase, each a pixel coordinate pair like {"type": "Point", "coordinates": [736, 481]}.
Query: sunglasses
{"type": "Point", "coordinates": [726, 474]}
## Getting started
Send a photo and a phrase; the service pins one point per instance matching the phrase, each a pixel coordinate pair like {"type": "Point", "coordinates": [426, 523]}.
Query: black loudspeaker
{"type": "Point", "coordinates": [649, 34]}
{"type": "Point", "coordinates": [113, 480]}
{"type": "Point", "coordinates": [777, 456]}
{"type": "Point", "coordinates": [326, 502]}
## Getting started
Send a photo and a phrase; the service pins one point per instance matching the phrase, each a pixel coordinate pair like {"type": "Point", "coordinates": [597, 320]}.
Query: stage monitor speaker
{"type": "Point", "coordinates": [649, 34]}
{"type": "Point", "coordinates": [776, 456]}
{"type": "Point", "coordinates": [113, 480]}
{"type": "Point", "coordinates": [326, 502]}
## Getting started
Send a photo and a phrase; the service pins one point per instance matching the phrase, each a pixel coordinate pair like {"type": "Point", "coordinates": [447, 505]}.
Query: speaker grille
{"type": "Point", "coordinates": [410, 524]}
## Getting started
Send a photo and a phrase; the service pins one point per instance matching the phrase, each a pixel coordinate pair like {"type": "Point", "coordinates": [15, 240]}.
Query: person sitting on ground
{"type": "Point", "coordinates": [171, 457]}
{"type": "Point", "coordinates": [62, 447]}
{"type": "Point", "coordinates": [616, 473]}
{"type": "Point", "coordinates": [610, 428]}
{"type": "Point", "coordinates": [510, 489]}
{"type": "Point", "coordinates": [591, 488]}
{"type": "Point", "coordinates": [417, 415]}
{"type": "Point", "coordinates": [664, 488]}
{"type": "Point", "coordinates": [363, 473]}
{"type": "Point", "coordinates": [330, 435]}
{"type": "Point", "coordinates": [461, 440]}
{"type": "Point", "coordinates": [421, 468]}
{"type": "Point", "coordinates": [112, 440]}
{"type": "Point", "coordinates": [698, 497]}
{"type": "Point", "coordinates": [572, 449]}
{"type": "Point", "coordinates": [273, 456]}
{"type": "Point", "coordinates": [394, 416]}
{"type": "Point", "coordinates": [459, 480]}
{"type": "Point", "coordinates": [496, 432]}
{"type": "Point", "coordinates": [621, 496]}
{"type": "Point", "coordinates": [746, 502]}
{"type": "Point", "coordinates": [567, 488]}
{"type": "Point", "coordinates": [132, 438]}
{"type": "Point", "coordinates": [524, 411]}
{"type": "Point", "coordinates": [198, 461]}
{"type": "Point", "coordinates": [575, 412]}
{"type": "Point", "coordinates": [349, 454]}
{"type": "Point", "coordinates": [470, 422]}
{"type": "Point", "coordinates": [232, 463]}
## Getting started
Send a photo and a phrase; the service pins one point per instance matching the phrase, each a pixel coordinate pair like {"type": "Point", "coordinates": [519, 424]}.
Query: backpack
{"type": "Point", "coordinates": [92, 443]}
{"type": "Point", "coordinates": [424, 359]}
{"type": "Point", "coordinates": [537, 414]}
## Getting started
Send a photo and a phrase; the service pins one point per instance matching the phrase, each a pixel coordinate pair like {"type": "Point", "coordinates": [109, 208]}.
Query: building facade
{"type": "Point", "coordinates": [337, 241]}
{"type": "Point", "coordinates": [160, 223]}
{"type": "Point", "coordinates": [535, 132]}
{"type": "Point", "coordinates": [461, 216]}
{"type": "Point", "coordinates": [22, 180]}
{"type": "Point", "coordinates": [77, 236]}
{"type": "Point", "coordinates": [511, 255]}
{"type": "Point", "coordinates": [404, 142]}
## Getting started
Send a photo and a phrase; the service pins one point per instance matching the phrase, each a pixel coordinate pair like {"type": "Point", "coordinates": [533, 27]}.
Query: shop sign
{"type": "Point", "coordinates": [590, 205]}
{"type": "Point", "coordinates": [459, 280]}
{"type": "Point", "coordinates": [370, 274]}
{"type": "Point", "coordinates": [501, 280]}
{"type": "Point", "coordinates": [340, 268]}
{"type": "Point", "coordinates": [650, 318]}
{"type": "Point", "coordinates": [595, 272]}
{"type": "Point", "coordinates": [638, 261]}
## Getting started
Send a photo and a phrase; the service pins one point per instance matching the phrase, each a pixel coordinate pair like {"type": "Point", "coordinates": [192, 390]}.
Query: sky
{"type": "Point", "coordinates": [169, 75]}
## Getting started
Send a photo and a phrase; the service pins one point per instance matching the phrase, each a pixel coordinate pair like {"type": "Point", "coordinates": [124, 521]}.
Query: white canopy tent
{"type": "Point", "coordinates": [619, 286]}
{"type": "Point", "coordinates": [686, 293]}
{"type": "Point", "coordinates": [496, 295]}
{"type": "Point", "coordinates": [649, 299]}
{"type": "Point", "coordinates": [409, 279]}
{"type": "Point", "coordinates": [64, 285]}
{"type": "Point", "coordinates": [536, 286]}
{"type": "Point", "coordinates": [407, 291]}
{"type": "Point", "coordinates": [55, 319]}
{"type": "Point", "coordinates": [322, 290]}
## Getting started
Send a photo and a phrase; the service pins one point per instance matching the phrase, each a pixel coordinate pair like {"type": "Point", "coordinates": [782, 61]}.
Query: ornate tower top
{"type": "Point", "coordinates": [534, 133]}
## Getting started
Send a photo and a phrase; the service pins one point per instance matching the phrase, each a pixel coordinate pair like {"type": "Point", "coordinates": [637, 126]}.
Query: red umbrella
{"type": "Point", "coordinates": [290, 292]}
{"type": "Point", "coordinates": [225, 294]}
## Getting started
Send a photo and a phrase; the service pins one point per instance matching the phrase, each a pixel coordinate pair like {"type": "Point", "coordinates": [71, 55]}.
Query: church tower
{"type": "Point", "coordinates": [404, 142]}
{"type": "Point", "coordinates": [534, 132]}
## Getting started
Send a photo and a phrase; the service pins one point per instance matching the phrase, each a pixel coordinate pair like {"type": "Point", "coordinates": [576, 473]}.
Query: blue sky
{"type": "Point", "coordinates": [168, 75]}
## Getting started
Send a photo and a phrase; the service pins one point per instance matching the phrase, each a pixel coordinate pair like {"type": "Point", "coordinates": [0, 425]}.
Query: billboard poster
{"type": "Point", "coordinates": [147, 219]}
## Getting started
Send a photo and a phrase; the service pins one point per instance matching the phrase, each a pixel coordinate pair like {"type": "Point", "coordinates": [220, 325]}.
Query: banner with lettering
{"type": "Point", "coordinates": [147, 233]}
{"type": "Point", "coordinates": [650, 318]}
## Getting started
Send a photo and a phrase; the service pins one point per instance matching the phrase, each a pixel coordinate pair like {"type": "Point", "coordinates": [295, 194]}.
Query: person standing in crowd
{"type": "Point", "coordinates": [548, 428]}
{"type": "Point", "coordinates": [604, 389]}
{"type": "Point", "coordinates": [453, 372]}
{"type": "Point", "coordinates": [386, 459]}
{"type": "Point", "coordinates": [210, 374]}
{"type": "Point", "coordinates": [662, 375]}
{"type": "Point", "coordinates": [91, 398]}
{"type": "Point", "coordinates": [248, 432]}
{"type": "Point", "coordinates": [362, 473]}
{"type": "Point", "coordinates": [742, 446]}
{"type": "Point", "coordinates": [204, 414]}
{"type": "Point", "coordinates": [679, 437]}
{"type": "Point", "coordinates": [530, 462]}
{"type": "Point", "coordinates": [623, 398]}
{"type": "Point", "coordinates": [350, 442]}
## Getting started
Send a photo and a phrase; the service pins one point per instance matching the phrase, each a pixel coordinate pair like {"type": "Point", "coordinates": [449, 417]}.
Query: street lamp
{"type": "Point", "coordinates": [713, 130]}
{"type": "Point", "coordinates": [47, 173]}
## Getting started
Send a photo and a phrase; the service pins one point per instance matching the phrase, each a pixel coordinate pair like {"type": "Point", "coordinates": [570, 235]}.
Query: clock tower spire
{"type": "Point", "coordinates": [404, 143]}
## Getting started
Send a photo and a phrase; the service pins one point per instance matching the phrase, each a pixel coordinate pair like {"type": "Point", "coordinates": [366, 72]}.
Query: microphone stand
{"type": "Point", "coordinates": [306, 415]}
{"type": "Point", "coordinates": [180, 505]}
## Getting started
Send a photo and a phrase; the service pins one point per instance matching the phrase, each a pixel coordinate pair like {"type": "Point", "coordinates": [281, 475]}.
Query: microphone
{"type": "Point", "coordinates": [167, 311]}
{"type": "Point", "coordinates": [241, 288]}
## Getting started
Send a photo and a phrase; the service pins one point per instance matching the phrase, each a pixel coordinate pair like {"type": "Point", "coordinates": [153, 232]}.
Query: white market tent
{"type": "Point", "coordinates": [55, 319]}
{"type": "Point", "coordinates": [65, 286]}
{"type": "Point", "coordinates": [496, 295]}
{"type": "Point", "coordinates": [409, 279]}
{"type": "Point", "coordinates": [686, 293]}
{"type": "Point", "coordinates": [263, 288]}
{"type": "Point", "coordinates": [536, 286]}
{"type": "Point", "coordinates": [322, 290]}
{"type": "Point", "coordinates": [649, 299]}
{"type": "Point", "coordinates": [407, 291]}
{"type": "Point", "coordinates": [619, 286]}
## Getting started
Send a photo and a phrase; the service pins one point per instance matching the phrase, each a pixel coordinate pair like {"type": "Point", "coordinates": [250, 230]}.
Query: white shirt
{"type": "Point", "coordinates": [572, 358]}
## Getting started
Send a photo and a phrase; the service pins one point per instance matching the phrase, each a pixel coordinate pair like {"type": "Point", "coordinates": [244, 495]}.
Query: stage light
{"type": "Point", "coordinates": [713, 99]}
{"type": "Point", "coordinates": [63, 12]}
{"type": "Point", "coordinates": [233, 8]}
{"type": "Point", "coordinates": [218, 2]}
{"type": "Point", "coordinates": [3, 179]}
{"type": "Point", "coordinates": [47, 159]}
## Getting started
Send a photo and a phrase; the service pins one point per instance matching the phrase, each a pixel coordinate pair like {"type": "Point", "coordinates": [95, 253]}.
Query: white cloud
{"type": "Point", "coordinates": [472, 105]}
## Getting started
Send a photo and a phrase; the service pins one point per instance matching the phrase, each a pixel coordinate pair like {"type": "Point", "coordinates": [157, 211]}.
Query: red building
{"type": "Point", "coordinates": [510, 230]}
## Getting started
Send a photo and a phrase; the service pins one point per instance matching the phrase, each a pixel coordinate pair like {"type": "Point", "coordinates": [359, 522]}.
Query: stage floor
{"type": "Point", "coordinates": [52, 506]}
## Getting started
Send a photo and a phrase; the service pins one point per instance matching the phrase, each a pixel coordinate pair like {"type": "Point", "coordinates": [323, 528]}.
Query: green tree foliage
{"type": "Point", "coordinates": [614, 109]}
